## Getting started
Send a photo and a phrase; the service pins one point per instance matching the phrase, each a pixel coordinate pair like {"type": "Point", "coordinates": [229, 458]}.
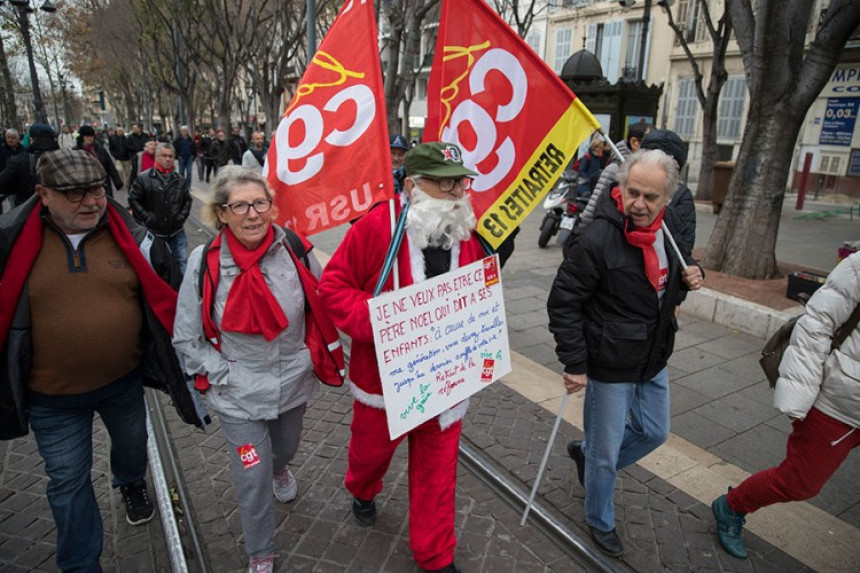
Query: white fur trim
{"type": "Point", "coordinates": [366, 398]}
{"type": "Point", "coordinates": [453, 414]}
{"type": "Point", "coordinates": [446, 419]}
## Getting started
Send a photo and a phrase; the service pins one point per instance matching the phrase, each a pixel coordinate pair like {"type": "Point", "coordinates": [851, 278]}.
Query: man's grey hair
{"type": "Point", "coordinates": [229, 177]}
{"type": "Point", "coordinates": [652, 159]}
{"type": "Point", "coordinates": [14, 132]}
{"type": "Point", "coordinates": [184, 127]}
{"type": "Point", "coordinates": [164, 145]}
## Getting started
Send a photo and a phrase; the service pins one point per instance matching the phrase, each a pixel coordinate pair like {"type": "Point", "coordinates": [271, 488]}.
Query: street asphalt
{"type": "Point", "coordinates": [723, 428]}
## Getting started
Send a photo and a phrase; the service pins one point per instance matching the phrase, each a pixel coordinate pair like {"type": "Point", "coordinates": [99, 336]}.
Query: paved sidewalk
{"type": "Point", "coordinates": [723, 427]}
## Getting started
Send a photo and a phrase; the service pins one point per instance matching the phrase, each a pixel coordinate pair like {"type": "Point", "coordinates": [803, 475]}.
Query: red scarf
{"type": "Point", "coordinates": [160, 295]}
{"type": "Point", "coordinates": [643, 238]}
{"type": "Point", "coordinates": [321, 337]}
{"type": "Point", "coordinates": [162, 169]}
{"type": "Point", "coordinates": [251, 308]}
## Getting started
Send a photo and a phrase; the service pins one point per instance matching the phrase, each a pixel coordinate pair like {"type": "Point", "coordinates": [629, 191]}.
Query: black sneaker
{"type": "Point", "coordinates": [607, 541]}
{"type": "Point", "coordinates": [574, 450]}
{"type": "Point", "coordinates": [138, 508]}
{"type": "Point", "coordinates": [364, 511]}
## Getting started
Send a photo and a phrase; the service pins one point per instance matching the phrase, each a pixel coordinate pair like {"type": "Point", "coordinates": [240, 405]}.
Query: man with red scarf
{"type": "Point", "coordinates": [87, 301]}
{"type": "Point", "coordinates": [439, 238]}
{"type": "Point", "coordinates": [160, 199]}
{"type": "Point", "coordinates": [612, 311]}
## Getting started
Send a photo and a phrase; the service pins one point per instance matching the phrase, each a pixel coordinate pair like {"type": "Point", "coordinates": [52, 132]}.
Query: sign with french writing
{"type": "Point", "coordinates": [839, 120]}
{"type": "Point", "coordinates": [440, 341]}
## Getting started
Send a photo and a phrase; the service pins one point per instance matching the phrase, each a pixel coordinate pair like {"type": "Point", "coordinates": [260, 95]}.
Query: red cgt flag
{"type": "Point", "coordinates": [329, 160]}
{"type": "Point", "coordinates": [516, 121]}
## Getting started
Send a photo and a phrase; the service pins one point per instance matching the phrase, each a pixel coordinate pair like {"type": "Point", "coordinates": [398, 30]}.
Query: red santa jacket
{"type": "Point", "coordinates": [347, 285]}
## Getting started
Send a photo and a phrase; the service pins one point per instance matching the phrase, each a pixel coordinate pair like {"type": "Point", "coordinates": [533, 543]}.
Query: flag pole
{"type": "Point", "coordinates": [611, 145]}
{"type": "Point", "coordinates": [674, 245]}
{"type": "Point", "coordinates": [391, 256]}
{"type": "Point", "coordinates": [549, 443]}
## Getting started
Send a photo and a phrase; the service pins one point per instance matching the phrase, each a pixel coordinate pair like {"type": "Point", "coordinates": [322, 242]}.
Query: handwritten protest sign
{"type": "Point", "coordinates": [440, 341]}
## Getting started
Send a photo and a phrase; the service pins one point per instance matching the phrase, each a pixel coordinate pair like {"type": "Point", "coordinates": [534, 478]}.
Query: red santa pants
{"type": "Point", "coordinates": [432, 478]}
{"type": "Point", "coordinates": [816, 448]}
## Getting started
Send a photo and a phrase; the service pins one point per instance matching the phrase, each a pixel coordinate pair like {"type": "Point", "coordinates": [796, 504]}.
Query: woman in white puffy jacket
{"type": "Point", "coordinates": [820, 392]}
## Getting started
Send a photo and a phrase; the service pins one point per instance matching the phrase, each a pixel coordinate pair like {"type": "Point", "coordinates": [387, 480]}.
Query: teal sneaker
{"type": "Point", "coordinates": [729, 527]}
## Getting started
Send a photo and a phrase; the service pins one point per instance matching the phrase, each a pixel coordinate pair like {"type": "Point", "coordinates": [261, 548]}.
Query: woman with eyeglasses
{"type": "Point", "coordinates": [253, 335]}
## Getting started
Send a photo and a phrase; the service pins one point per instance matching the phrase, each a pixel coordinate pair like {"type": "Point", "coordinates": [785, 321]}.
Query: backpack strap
{"type": "Point", "coordinates": [844, 331]}
{"type": "Point", "coordinates": [294, 243]}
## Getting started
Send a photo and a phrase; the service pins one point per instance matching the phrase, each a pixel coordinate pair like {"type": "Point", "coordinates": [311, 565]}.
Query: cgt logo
{"type": "Point", "coordinates": [304, 127]}
{"type": "Point", "coordinates": [248, 455]}
{"type": "Point", "coordinates": [482, 115]}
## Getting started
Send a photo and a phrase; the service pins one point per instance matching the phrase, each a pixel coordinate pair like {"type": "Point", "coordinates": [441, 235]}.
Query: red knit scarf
{"type": "Point", "coordinates": [160, 295]}
{"type": "Point", "coordinates": [161, 169]}
{"type": "Point", "coordinates": [251, 308]}
{"type": "Point", "coordinates": [643, 238]}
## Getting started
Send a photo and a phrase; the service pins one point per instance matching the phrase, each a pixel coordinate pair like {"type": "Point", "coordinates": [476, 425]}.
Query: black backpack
{"type": "Point", "coordinates": [771, 354]}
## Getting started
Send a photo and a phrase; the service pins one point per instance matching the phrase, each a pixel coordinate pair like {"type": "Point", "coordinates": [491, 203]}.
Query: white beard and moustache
{"type": "Point", "coordinates": [434, 222]}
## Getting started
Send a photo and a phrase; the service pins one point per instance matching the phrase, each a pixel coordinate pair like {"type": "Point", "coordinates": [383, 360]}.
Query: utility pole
{"type": "Point", "coordinates": [312, 30]}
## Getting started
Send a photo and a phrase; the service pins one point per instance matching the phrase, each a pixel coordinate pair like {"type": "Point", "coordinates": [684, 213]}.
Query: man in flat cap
{"type": "Point", "coordinates": [439, 238]}
{"type": "Point", "coordinates": [87, 299]}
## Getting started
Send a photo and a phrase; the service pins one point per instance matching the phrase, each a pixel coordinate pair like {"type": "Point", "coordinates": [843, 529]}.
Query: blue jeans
{"type": "Point", "coordinates": [185, 168]}
{"type": "Point", "coordinates": [63, 428]}
{"type": "Point", "coordinates": [624, 422]}
{"type": "Point", "coordinates": [178, 244]}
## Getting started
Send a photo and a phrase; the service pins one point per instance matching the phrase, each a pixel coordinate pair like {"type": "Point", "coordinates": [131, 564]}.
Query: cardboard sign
{"type": "Point", "coordinates": [439, 341]}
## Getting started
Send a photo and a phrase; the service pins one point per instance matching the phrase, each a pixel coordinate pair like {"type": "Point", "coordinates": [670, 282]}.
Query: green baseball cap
{"type": "Point", "coordinates": [437, 159]}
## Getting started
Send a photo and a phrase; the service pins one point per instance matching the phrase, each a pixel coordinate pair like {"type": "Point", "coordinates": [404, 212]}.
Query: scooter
{"type": "Point", "coordinates": [563, 209]}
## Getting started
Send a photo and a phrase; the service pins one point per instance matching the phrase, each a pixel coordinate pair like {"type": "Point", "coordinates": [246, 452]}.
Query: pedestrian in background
{"type": "Point", "coordinates": [160, 200]}
{"type": "Point", "coordinates": [244, 335]}
{"type": "Point", "coordinates": [137, 139]}
{"type": "Point", "coordinates": [611, 311]}
{"type": "Point", "coordinates": [819, 389]}
{"type": "Point", "coordinates": [398, 149]}
{"type": "Point", "coordinates": [255, 157]}
{"type": "Point", "coordinates": [220, 151]}
{"type": "Point", "coordinates": [11, 147]}
{"type": "Point", "coordinates": [121, 152]}
{"type": "Point", "coordinates": [18, 180]}
{"type": "Point", "coordinates": [67, 139]}
{"type": "Point", "coordinates": [86, 298]}
{"type": "Point", "coordinates": [238, 145]}
{"type": "Point", "coordinates": [87, 142]}
{"type": "Point", "coordinates": [184, 147]}
{"type": "Point", "coordinates": [143, 160]}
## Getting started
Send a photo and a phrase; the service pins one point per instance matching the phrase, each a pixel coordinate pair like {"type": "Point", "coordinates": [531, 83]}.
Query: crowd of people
{"type": "Point", "coordinates": [247, 325]}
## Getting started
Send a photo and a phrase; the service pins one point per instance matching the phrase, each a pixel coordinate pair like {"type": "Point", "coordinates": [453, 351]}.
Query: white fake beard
{"type": "Point", "coordinates": [434, 222]}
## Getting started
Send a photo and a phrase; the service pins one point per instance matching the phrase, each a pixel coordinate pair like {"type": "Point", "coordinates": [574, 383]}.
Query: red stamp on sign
{"type": "Point", "coordinates": [248, 455]}
{"type": "Point", "coordinates": [487, 371]}
{"type": "Point", "coordinates": [491, 271]}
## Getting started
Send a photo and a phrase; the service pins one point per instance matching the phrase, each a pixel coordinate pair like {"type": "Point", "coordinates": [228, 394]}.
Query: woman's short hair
{"type": "Point", "coordinates": [227, 178]}
{"type": "Point", "coordinates": [652, 159]}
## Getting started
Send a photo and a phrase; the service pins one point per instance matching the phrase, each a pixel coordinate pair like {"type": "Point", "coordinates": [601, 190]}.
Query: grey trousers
{"type": "Point", "coordinates": [275, 442]}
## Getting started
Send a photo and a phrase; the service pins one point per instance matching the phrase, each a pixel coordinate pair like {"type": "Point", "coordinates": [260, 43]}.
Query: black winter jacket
{"type": "Point", "coordinates": [161, 205]}
{"type": "Point", "coordinates": [159, 363]}
{"type": "Point", "coordinates": [604, 314]}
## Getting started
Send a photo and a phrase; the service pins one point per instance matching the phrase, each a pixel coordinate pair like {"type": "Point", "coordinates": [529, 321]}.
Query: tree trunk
{"type": "Point", "coordinates": [11, 111]}
{"type": "Point", "coordinates": [704, 189]}
{"type": "Point", "coordinates": [743, 242]}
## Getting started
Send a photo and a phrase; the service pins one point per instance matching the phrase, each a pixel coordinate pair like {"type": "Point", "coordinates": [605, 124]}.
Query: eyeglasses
{"type": "Point", "coordinates": [77, 195]}
{"type": "Point", "coordinates": [242, 207]}
{"type": "Point", "coordinates": [447, 184]}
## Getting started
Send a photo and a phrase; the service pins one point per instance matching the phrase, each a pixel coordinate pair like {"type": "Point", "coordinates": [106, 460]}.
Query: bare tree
{"type": "Point", "coordinates": [10, 110]}
{"type": "Point", "coordinates": [784, 79]}
{"type": "Point", "coordinates": [406, 19]}
{"type": "Point", "coordinates": [709, 98]}
{"type": "Point", "coordinates": [520, 14]}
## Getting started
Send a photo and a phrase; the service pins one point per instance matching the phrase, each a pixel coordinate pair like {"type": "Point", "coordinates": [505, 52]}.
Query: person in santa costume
{"type": "Point", "coordinates": [439, 238]}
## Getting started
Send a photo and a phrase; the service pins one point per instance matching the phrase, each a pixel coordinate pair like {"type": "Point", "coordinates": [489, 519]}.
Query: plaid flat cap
{"type": "Point", "coordinates": [67, 169]}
